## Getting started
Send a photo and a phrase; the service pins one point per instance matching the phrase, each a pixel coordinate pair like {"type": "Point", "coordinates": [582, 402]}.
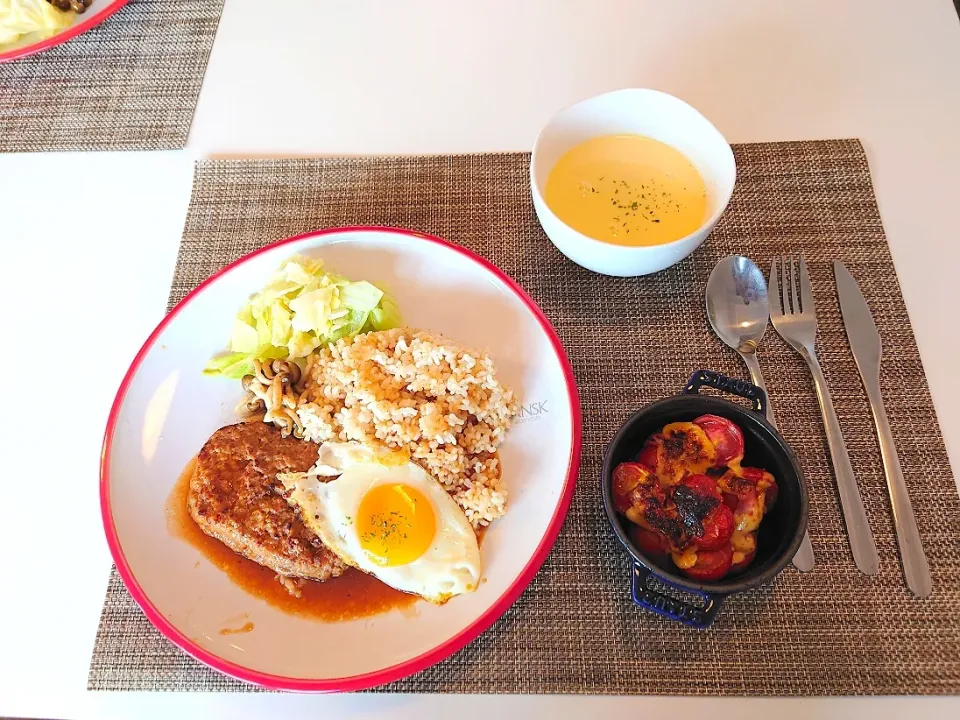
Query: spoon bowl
{"type": "Point", "coordinates": [737, 303]}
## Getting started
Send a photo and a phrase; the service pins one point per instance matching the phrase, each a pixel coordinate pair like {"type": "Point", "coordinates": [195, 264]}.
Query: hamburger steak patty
{"type": "Point", "coordinates": [232, 498]}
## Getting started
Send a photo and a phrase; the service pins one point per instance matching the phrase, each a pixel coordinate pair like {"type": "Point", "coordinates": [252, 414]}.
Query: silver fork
{"type": "Point", "coordinates": [794, 317]}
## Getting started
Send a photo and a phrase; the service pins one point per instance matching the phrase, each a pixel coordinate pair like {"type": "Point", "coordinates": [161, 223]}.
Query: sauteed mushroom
{"type": "Point", "coordinates": [273, 391]}
{"type": "Point", "coordinates": [78, 6]}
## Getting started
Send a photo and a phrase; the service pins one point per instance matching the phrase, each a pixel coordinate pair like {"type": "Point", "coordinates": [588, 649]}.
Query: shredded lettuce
{"type": "Point", "coordinates": [301, 308]}
{"type": "Point", "coordinates": [30, 17]}
{"type": "Point", "coordinates": [386, 315]}
{"type": "Point", "coordinates": [232, 365]}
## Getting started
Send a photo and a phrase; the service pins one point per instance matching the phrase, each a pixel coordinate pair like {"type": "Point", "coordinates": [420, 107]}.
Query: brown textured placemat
{"type": "Point", "coordinates": [130, 83]}
{"type": "Point", "coordinates": [631, 341]}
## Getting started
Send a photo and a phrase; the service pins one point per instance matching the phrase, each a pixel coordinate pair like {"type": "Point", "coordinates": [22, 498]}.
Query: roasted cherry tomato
{"type": "Point", "coordinates": [744, 549]}
{"type": "Point", "coordinates": [764, 483]}
{"type": "Point", "coordinates": [726, 437]}
{"type": "Point", "coordinates": [683, 448]}
{"type": "Point", "coordinates": [648, 456]}
{"type": "Point", "coordinates": [742, 563]}
{"type": "Point", "coordinates": [650, 542]}
{"type": "Point", "coordinates": [711, 564]}
{"type": "Point", "coordinates": [770, 497]}
{"type": "Point", "coordinates": [760, 478]}
{"type": "Point", "coordinates": [730, 500]}
{"type": "Point", "coordinates": [717, 528]}
{"type": "Point", "coordinates": [749, 486]}
{"type": "Point", "coordinates": [685, 558]}
{"type": "Point", "coordinates": [702, 485]}
{"type": "Point", "coordinates": [626, 477]}
{"type": "Point", "coordinates": [749, 511]}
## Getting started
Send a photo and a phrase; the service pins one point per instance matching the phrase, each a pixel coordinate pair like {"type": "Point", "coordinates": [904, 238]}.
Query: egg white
{"type": "Point", "coordinates": [451, 565]}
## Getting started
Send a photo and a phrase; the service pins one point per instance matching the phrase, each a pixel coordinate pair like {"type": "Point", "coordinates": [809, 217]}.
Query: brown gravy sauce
{"type": "Point", "coordinates": [352, 595]}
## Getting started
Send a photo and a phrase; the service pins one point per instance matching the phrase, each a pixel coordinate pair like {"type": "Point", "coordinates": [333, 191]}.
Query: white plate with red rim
{"type": "Point", "coordinates": [166, 409]}
{"type": "Point", "coordinates": [98, 11]}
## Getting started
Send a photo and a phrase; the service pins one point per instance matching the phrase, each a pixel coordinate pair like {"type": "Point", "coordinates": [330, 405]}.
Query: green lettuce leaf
{"type": "Point", "coordinates": [301, 308]}
{"type": "Point", "coordinates": [232, 365]}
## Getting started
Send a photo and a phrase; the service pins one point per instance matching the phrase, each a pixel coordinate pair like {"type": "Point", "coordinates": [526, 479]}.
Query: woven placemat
{"type": "Point", "coordinates": [631, 341]}
{"type": "Point", "coordinates": [130, 83]}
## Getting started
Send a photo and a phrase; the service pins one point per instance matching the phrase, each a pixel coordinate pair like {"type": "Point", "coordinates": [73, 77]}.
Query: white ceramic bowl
{"type": "Point", "coordinates": [166, 409]}
{"type": "Point", "coordinates": [98, 11]}
{"type": "Point", "coordinates": [640, 112]}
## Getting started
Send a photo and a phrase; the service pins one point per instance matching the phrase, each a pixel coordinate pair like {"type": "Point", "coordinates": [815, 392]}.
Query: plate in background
{"type": "Point", "coordinates": [98, 11]}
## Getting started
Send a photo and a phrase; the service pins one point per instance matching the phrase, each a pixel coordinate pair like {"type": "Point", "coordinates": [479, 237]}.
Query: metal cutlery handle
{"type": "Point", "coordinates": [854, 515]}
{"type": "Point", "coordinates": [915, 567]}
{"type": "Point", "coordinates": [756, 377]}
{"type": "Point", "coordinates": [803, 560]}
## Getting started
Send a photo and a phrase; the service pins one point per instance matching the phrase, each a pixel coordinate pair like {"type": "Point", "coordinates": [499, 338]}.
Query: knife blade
{"type": "Point", "coordinates": [858, 320]}
{"type": "Point", "coordinates": [867, 348]}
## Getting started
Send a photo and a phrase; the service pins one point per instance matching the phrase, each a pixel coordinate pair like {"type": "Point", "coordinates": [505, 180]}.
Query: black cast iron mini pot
{"type": "Point", "coordinates": [780, 532]}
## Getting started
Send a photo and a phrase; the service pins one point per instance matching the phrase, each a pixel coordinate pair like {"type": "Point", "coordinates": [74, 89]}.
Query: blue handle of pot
{"type": "Point", "coordinates": [734, 386]}
{"type": "Point", "coordinates": [668, 607]}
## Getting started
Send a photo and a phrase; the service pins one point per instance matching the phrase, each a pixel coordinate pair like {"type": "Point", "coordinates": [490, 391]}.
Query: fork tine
{"type": "Point", "coordinates": [805, 288]}
{"type": "Point", "coordinates": [788, 300]}
{"type": "Point", "coordinates": [794, 289]}
{"type": "Point", "coordinates": [776, 304]}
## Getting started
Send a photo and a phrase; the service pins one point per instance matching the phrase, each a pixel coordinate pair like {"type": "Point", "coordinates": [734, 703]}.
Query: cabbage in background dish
{"type": "Point", "coordinates": [19, 18]}
{"type": "Point", "coordinates": [301, 308]}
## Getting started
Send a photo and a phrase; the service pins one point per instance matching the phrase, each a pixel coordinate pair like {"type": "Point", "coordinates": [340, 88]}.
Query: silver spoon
{"type": "Point", "coordinates": [739, 310]}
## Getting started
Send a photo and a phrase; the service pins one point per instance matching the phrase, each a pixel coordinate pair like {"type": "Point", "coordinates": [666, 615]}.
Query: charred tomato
{"type": "Point", "coordinates": [650, 542]}
{"type": "Point", "coordinates": [711, 564]}
{"type": "Point", "coordinates": [682, 448]}
{"type": "Point", "coordinates": [744, 549]}
{"type": "Point", "coordinates": [726, 437]}
{"type": "Point", "coordinates": [717, 528]}
{"type": "Point", "coordinates": [626, 477]}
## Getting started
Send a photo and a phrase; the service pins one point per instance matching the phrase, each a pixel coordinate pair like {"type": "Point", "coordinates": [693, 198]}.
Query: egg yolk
{"type": "Point", "coordinates": [395, 524]}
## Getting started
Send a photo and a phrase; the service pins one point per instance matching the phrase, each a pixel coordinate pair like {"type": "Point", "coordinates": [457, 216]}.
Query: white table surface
{"type": "Point", "coordinates": [89, 243]}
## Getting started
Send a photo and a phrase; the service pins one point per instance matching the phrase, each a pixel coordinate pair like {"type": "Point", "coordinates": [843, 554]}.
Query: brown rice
{"type": "Point", "coordinates": [417, 392]}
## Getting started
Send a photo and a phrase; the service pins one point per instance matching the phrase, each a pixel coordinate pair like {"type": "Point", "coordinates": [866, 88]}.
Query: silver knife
{"type": "Point", "coordinates": [867, 348]}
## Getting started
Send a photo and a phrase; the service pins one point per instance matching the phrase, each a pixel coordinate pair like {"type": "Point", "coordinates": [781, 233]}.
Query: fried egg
{"type": "Point", "coordinates": [388, 517]}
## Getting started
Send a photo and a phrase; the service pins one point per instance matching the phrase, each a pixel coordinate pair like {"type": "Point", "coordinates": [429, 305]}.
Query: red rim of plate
{"type": "Point", "coordinates": [400, 670]}
{"type": "Point", "coordinates": [62, 37]}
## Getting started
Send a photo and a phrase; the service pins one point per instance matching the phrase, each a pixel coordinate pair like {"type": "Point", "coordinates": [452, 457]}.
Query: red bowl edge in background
{"type": "Point", "coordinates": [61, 37]}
